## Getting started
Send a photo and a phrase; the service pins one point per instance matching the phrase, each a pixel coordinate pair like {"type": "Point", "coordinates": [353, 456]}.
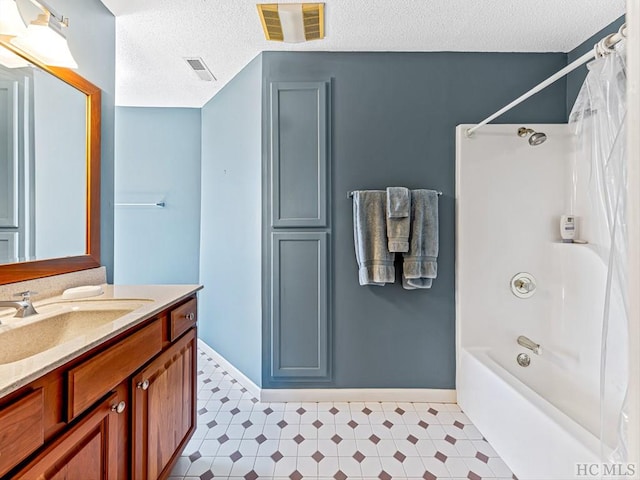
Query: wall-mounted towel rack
{"type": "Point", "coordinates": [350, 194]}
{"type": "Point", "coordinates": [155, 204]}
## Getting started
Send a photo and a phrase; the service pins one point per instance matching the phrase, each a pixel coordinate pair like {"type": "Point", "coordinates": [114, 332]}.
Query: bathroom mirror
{"type": "Point", "coordinates": [49, 169]}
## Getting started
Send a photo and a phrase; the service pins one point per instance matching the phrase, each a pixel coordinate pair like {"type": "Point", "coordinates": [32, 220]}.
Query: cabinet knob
{"type": "Point", "coordinates": [119, 407]}
{"type": "Point", "coordinates": [143, 385]}
{"type": "Point", "coordinates": [190, 316]}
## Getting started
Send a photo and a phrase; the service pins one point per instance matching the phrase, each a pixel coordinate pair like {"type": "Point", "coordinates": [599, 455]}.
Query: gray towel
{"type": "Point", "coordinates": [416, 283]}
{"type": "Point", "coordinates": [420, 264]}
{"type": "Point", "coordinates": [375, 262]}
{"type": "Point", "coordinates": [398, 218]}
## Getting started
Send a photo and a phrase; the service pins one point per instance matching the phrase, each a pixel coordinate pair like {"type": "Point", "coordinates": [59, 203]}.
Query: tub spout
{"type": "Point", "coordinates": [530, 344]}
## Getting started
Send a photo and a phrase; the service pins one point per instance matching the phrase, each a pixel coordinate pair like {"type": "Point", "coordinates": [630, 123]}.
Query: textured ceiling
{"type": "Point", "coordinates": [153, 36]}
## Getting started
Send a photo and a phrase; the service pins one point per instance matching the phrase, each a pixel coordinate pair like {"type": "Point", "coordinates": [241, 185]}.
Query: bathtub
{"type": "Point", "coordinates": [539, 438]}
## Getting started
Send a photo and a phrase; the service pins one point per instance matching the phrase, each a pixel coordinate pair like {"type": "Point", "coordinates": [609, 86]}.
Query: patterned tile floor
{"type": "Point", "coordinates": [240, 438]}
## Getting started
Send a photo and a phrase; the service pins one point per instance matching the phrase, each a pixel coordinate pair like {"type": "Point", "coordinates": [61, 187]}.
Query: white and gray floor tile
{"type": "Point", "coordinates": [239, 438]}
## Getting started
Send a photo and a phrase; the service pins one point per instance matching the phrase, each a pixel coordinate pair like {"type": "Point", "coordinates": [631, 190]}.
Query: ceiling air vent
{"type": "Point", "coordinates": [292, 22]}
{"type": "Point", "coordinates": [198, 66]}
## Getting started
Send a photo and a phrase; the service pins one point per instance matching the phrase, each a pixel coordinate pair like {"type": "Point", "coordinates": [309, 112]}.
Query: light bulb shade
{"type": "Point", "coordinates": [11, 60]}
{"type": "Point", "coordinates": [46, 45]}
{"type": "Point", "coordinates": [11, 23]}
{"type": "Point", "coordinates": [292, 22]}
{"type": "Point", "coordinates": [30, 10]}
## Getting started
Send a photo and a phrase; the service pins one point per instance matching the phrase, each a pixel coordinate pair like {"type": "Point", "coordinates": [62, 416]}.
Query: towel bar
{"type": "Point", "coordinates": [350, 194]}
{"type": "Point", "coordinates": [155, 204]}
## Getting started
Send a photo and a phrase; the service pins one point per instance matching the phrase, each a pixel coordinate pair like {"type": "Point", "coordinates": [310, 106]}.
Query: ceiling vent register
{"type": "Point", "coordinates": [200, 68]}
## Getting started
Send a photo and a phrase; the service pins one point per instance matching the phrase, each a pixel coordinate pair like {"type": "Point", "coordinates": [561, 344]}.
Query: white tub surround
{"type": "Point", "coordinates": [545, 418]}
{"type": "Point", "coordinates": [149, 300]}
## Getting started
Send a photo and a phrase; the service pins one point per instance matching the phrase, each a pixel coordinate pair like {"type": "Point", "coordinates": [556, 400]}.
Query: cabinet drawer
{"type": "Point", "coordinates": [21, 429]}
{"type": "Point", "coordinates": [87, 451]}
{"type": "Point", "coordinates": [92, 379]}
{"type": "Point", "coordinates": [183, 318]}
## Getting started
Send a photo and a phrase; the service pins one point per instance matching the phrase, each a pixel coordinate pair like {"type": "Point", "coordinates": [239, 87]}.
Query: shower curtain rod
{"type": "Point", "coordinates": [600, 49]}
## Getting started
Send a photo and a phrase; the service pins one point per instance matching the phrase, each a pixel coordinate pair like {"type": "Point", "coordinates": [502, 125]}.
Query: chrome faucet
{"type": "Point", "coordinates": [24, 307]}
{"type": "Point", "coordinates": [530, 344]}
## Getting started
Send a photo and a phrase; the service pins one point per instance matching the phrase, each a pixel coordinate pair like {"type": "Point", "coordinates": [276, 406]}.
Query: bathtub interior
{"type": "Point", "coordinates": [510, 197]}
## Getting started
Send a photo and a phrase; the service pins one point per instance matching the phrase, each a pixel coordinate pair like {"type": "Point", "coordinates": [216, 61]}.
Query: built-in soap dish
{"type": "Point", "coordinates": [85, 291]}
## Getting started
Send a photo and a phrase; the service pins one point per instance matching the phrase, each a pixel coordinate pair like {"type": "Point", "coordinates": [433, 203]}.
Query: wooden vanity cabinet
{"type": "Point", "coordinates": [89, 450]}
{"type": "Point", "coordinates": [162, 404]}
{"type": "Point", "coordinates": [124, 410]}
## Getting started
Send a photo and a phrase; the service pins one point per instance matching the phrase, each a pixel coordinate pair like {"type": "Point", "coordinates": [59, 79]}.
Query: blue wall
{"type": "Point", "coordinates": [394, 118]}
{"type": "Point", "coordinates": [92, 40]}
{"type": "Point", "coordinates": [157, 157]}
{"type": "Point", "coordinates": [576, 78]}
{"type": "Point", "coordinates": [230, 256]}
{"type": "Point", "coordinates": [60, 167]}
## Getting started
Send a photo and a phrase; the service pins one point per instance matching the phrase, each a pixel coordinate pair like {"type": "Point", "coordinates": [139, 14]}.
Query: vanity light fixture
{"type": "Point", "coordinates": [42, 33]}
{"type": "Point", "coordinates": [292, 22]}
{"type": "Point", "coordinates": [11, 60]}
{"type": "Point", "coordinates": [11, 23]}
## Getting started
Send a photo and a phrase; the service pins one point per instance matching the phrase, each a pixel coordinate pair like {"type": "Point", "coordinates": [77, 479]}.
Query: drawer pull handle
{"type": "Point", "coordinates": [190, 316]}
{"type": "Point", "coordinates": [119, 407]}
{"type": "Point", "coordinates": [144, 385]}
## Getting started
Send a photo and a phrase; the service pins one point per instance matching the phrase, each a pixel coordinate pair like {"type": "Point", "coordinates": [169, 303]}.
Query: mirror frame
{"type": "Point", "coordinates": [30, 270]}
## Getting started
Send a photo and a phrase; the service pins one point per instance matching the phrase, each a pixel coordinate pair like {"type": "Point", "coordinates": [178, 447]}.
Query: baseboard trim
{"type": "Point", "coordinates": [431, 395]}
{"type": "Point", "coordinates": [358, 395]}
{"type": "Point", "coordinates": [245, 381]}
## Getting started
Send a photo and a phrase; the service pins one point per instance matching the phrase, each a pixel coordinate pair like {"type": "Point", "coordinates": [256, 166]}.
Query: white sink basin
{"type": "Point", "coordinates": [56, 324]}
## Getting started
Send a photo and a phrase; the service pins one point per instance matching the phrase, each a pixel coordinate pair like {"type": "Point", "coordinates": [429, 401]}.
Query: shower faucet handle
{"type": "Point", "coordinates": [524, 284]}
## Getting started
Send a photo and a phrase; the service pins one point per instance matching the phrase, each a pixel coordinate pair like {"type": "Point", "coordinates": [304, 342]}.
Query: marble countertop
{"type": "Point", "coordinates": [148, 300]}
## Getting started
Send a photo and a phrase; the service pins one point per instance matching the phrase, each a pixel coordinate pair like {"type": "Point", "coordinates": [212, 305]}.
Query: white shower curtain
{"type": "Point", "coordinates": [598, 120]}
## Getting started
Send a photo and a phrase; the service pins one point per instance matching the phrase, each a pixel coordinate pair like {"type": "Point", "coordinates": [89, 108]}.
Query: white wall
{"type": "Point", "coordinates": [633, 125]}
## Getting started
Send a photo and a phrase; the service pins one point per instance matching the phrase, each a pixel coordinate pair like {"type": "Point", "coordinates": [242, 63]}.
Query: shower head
{"type": "Point", "coordinates": [535, 139]}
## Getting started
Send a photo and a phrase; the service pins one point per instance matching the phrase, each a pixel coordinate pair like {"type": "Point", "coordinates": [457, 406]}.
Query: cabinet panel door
{"type": "Point", "coordinates": [89, 451]}
{"type": "Point", "coordinates": [299, 306]}
{"type": "Point", "coordinates": [299, 154]}
{"type": "Point", "coordinates": [8, 247]}
{"type": "Point", "coordinates": [8, 154]}
{"type": "Point", "coordinates": [21, 429]}
{"type": "Point", "coordinates": [163, 408]}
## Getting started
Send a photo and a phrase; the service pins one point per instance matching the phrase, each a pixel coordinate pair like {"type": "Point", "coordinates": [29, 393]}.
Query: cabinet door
{"type": "Point", "coordinates": [8, 247]}
{"type": "Point", "coordinates": [299, 309]}
{"type": "Point", "coordinates": [8, 154]}
{"type": "Point", "coordinates": [164, 408]}
{"type": "Point", "coordinates": [88, 451]}
{"type": "Point", "coordinates": [299, 154]}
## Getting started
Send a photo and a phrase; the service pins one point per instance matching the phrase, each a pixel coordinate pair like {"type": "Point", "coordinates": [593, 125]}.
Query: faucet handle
{"type": "Point", "coordinates": [26, 295]}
